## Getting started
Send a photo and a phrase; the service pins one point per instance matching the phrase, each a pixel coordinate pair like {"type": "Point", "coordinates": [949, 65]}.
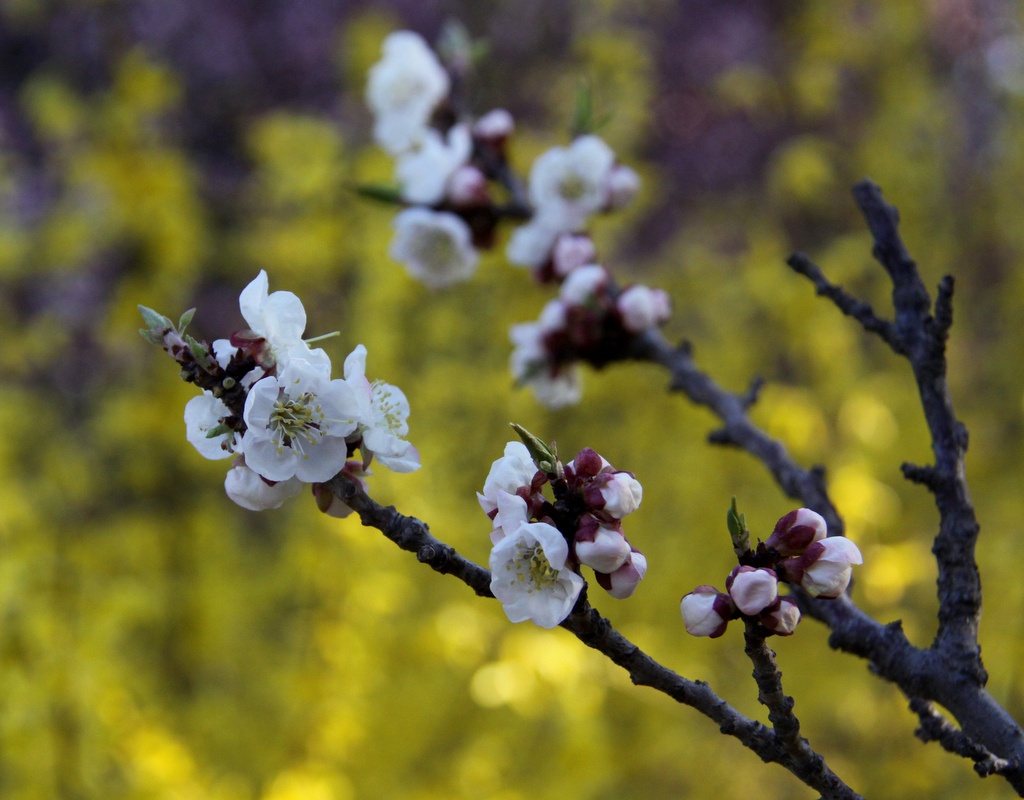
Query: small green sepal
{"type": "Point", "coordinates": [186, 318]}
{"type": "Point", "coordinates": [382, 193]}
{"type": "Point", "coordinates": [738, 530]}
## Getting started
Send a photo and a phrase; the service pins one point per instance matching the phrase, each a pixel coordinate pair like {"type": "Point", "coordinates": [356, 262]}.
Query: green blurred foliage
{"type": "Point", "coordinates": [158, 642]}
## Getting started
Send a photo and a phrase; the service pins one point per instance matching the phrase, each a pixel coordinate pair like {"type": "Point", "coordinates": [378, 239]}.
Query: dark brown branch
{"type": "Point", "coordinates": [936, 728]}
{"type": "Point", "coordinates": [849, 305]}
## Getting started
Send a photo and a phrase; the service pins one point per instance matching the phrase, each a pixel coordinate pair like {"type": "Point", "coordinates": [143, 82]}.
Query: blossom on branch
{"type": "Point", "coordinates": [435, 246]}
{"type": "Point", "coordinates": [403, 89]}
{"type": "Point", "coordinates": [252, 491]}
{"type": "Point", "coordinates": [707, 611]}
{"type": "Point", "coordinates": [424, 170]}
{"type": "Point", "coordinates": [276, 324]}
{"type": "Point", "coordinates": [297, 423]}
{"type": "Point", "coordinates": [529, 575]}
{"type": "Point", "coordinates": [205, 415]}
{"type": "Point", "coordinates": [381, 419]}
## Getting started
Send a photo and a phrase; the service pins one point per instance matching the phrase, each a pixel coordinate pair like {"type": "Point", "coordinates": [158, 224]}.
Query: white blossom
{"type": "Point", "coordinates": [622, 185]}
{"type": "Point", "coordinates": [571, 251]}
{"type": "Point", "coordinates": [706, 611]}
{"type": "Point", "coordinates": [530, 244]}
{"type": "Point", "coordinates": [496, 124]}
{"type": "Point", "coordinates": [382, 417]}
{"type": "Point", "coordinates": [583, 284]}
{"type": "Point", "coordinates": [621, 583]}
{"type": "Point", "coordinates": [202, 414]}
{"type": "Point", "coordinates": [781, 617]}
{"type": "Point", "coordinates": [620, 492]}
{"type": "Point", "coordinates": [529, 576]}
{"type": "Point", "coordinates": [643, 308]}
{"type": "Point", "coordinates": [829, 566]}
{"type": "Point", "coordinates": [752, 589]}
{"type": "Point", "coordinates": [435, 246]}
{"type": "Point", "coordinates": [297, 424]}
{"type": "Point", "coordinates": [797, 531]}
{"type": "Point", "coordinates": [423, 171]}
{"type": "Point", "coordinates": [255, 493]}
{"type": "Point", "coordinates": [514, 470]}
{"type": "Point", "coordinates": [280, 318]}
{"type": "Point", "coordinates": [599, 546]}
{"type": "Point", "coordinates": [568, 184]}
{"type": "Point", "coordinates": [403, 88]}
{"type": "Point", "coordinates": [531, 367]}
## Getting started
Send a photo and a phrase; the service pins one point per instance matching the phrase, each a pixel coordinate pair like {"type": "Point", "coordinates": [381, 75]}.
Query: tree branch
{"type": "Point", "coordinates": [586, 623]}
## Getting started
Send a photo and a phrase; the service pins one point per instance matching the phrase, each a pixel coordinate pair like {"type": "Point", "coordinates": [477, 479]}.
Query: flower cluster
{"type": "Point", "coordinates": [568, 185]}
{"type": "Point", "coordinates": [590, 320]}
{"type": "Point", "coordinates": [448, 167]}
{"type": "Point", "coordinates": [270, 404]}
{"type": "Point", "coordinates": [539, 544]}
{"type": "Point", "coordinates": [799, 553]}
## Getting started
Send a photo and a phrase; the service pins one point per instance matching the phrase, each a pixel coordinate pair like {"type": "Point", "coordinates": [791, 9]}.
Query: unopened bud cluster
{"type": "Point", "coordinates": [540, 543]}
{"type": "Point", "coordinates": [590, 321]}
{"type": "Point", "coordinates": [798, 553]}
{"type": "Point", "coordinates": [269, 403]}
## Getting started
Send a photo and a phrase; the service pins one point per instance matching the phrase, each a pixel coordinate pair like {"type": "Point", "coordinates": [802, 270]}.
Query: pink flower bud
{"type": "Point", "coordinates": [583, 284]}
{"type": "Point", "coordinates": [617, 494]}
{"type": "Point", "coordinates": [571, 251]}
{"type": "Point", "coordinates": [623, 582]}
{"type": "Point", "coordinates": [494, 126]}
{"type": "Point", "coordinates": [826, 566]}
{"type": "Point", "coordinates": [752, 589]}
{"type": "Point", "coordinates": [601, 547]}
{"type": "Point", "coordinates": [781, 617]}
{"type": "Point", "coordinates": [642, 308]}
{"type": "Point", "coordinates": [706, 611]}
{"type": "Point", "coordinates": [467, 187]}
{"type": "Point", "coordinates": [587, 464]}
{"type": "Point", "coordinates": [796, 531]}
{"type": "Point", "coordinates": [623, 184]}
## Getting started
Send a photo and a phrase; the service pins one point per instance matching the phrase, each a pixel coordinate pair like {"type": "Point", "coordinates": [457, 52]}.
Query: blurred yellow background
{"type": "Point", "coordinates": [158, 642]}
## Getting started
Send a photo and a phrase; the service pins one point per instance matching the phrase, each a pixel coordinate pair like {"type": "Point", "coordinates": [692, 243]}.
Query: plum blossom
{"type": "Point", "coordinates": [424, 170]}
{"type": "Point", "coordinates": [706, 611]}
{"type": "Point", "coordinates": [529, 575]}
{"type": "Point", "coordinates": [781, 617]}
{"type": "Point", "coordinates": [600, 546]}
{"type": "Point", "coordinates": [255, 493]}
{"type": "Point", "coordinates": [297, 424]}
{"type": "Point", "coordinates": [642, 308]}
{"type": "Point", "coordinates": [616, 494]}
{"type": "Point", "coordinates": [402, 90]}
{"type": "Point", "coordinates": [825, 567]}
{"type": "Point", "coordinates": [621, 583]}
{"type": "Point", "coordinates": [571, 251]}
{"type": "Point", "coordinates": [622, 185]}
{"type": "Point", "coordinates": [530, 244]}
{"type": "Point", "coordinates": [435, 246]}
{"type": "Point", "coordinates": [752, 589]}
{"type": "Point", "coordinates": [383, 414]}
{"type": "Point", "coordinates": [280, 319]}
{"type": "Point", "coordinates": [797, 531]}
{"type": "Point", "coordinates": [203, 414]}
{"type": "Point", "coordinates": [568, 184]}
{"type": "Point", "coordinates": [514, 470]}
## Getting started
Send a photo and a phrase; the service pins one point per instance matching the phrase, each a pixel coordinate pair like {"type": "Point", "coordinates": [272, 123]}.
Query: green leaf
{"type": "Point", "coordinates": [738, 530]}
{"type": "Point", "coordinates": [382, 193]}
{"type": "Point", "coordinates": [186, 318]}
{"type": "Point", "coordinates": [541, 452]}
{"type": "Point", "coordinates": [583, 111]}
{"type": "Point", "coordinates": [155, 321]}
{"type": "Point", "coordinates": [200, 353]}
